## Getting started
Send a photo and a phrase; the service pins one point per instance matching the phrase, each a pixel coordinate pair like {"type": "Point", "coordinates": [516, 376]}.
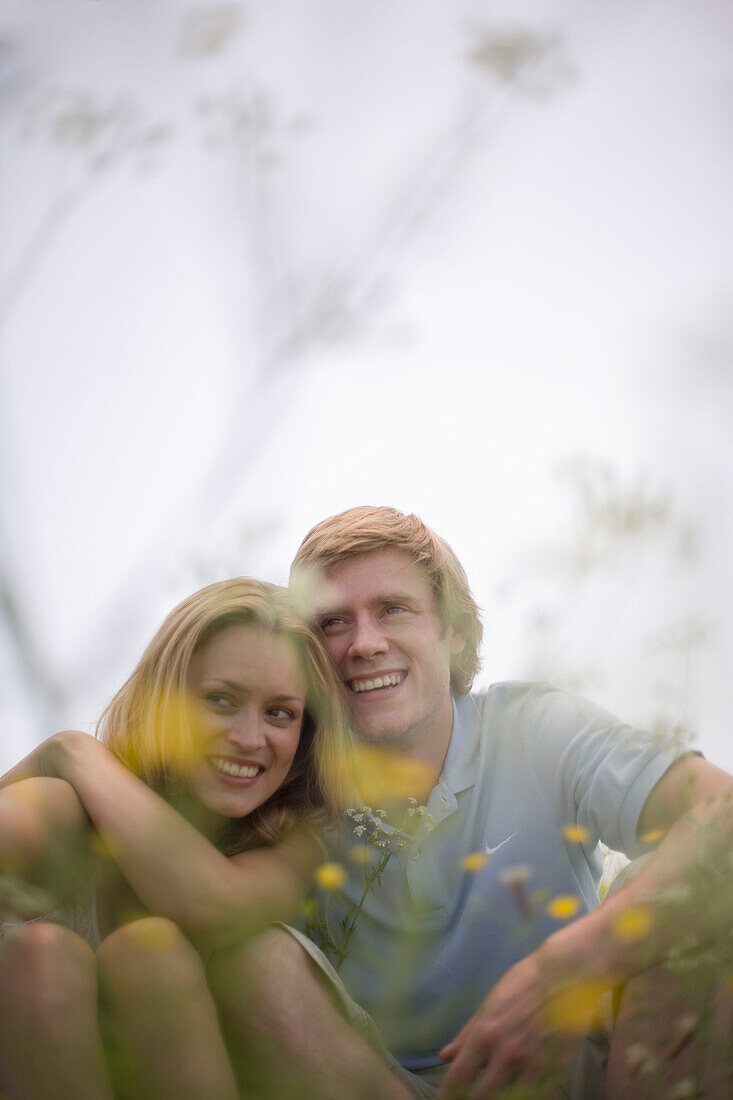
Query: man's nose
{"type": "Point", "coordinates": [367, 640]}
{"type": "Point", "coordinates": [247, 730]}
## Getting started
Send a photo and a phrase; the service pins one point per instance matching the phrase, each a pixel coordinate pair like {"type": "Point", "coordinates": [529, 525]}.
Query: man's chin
{"type": "Point", "coordinates": [377, 734]}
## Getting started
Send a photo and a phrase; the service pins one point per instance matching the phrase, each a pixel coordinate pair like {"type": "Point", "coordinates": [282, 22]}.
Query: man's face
{"type": "Point", "coordinates": [378, 617]}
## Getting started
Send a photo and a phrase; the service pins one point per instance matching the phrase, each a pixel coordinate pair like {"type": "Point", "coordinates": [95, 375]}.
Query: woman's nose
{"type": "Point", "coordinates": [246, 731]}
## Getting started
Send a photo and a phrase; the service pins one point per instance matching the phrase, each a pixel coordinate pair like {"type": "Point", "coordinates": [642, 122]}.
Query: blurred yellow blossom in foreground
{"type": "Point", "coordinates": [359, 854]}
{"type": "Point", "coordinates": [309, 909]}
{"type": "Point", "coordinates": [155, 934]}
{"type": "Point", "coordinates": [474, 861]}
{"type": "Point", "coordinates": [330, 876]}
{"type": "Point", "coordinates": [575, 834]}
{"type": "Point", "coordinates": [563, 907]}
{"type": "Point", "coordinates": [103, 845]}
{"type": "Point", "coordinates": [633, 924]}
{"type": "Point", "coordinates": [383, 776]}
{"type": "Point", "coordinates": [577, 1008]}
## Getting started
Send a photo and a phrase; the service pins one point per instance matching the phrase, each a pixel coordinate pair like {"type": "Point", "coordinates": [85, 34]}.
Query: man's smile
{"type": "Point", "coordinates": [382, 681]}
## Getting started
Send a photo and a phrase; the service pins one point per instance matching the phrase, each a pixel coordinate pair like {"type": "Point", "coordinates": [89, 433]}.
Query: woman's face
{"type": "Point", "coordinates": [248, 693]}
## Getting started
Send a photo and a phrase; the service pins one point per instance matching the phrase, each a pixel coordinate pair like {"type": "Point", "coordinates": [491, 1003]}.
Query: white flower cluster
{"type": "Point", "coordinates": [369, 824]}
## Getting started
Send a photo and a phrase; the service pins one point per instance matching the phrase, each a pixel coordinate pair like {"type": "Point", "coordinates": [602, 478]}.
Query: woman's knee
{"type": "Point", "coordinates": [260, 970]}
{"type": "Point", "coordinates": [150, 956]}
{"type": "Point", "coordinates": [47, 976]}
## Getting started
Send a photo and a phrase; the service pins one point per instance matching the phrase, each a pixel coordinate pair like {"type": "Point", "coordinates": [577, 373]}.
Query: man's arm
{"type": "Point", "coordinates": [684, 890]}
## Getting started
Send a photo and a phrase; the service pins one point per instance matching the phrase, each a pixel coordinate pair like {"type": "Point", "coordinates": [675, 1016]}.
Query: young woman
{"type": "Point", "coordinates": [188, 826]}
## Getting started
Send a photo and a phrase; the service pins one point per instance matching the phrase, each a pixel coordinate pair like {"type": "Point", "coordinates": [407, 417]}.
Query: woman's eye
{"type": "Point", "coordinates": [219, 701]}
{"type": "Point", "coordinates": [281, 713]}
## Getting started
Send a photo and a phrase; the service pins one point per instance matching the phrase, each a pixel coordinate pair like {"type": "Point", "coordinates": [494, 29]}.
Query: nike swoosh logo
{"type": "Point", "coordinates": [490, 851]}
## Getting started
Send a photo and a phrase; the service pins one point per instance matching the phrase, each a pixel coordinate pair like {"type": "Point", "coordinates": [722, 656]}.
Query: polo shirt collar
{"type": "Point", "coordinates": [459, 770]}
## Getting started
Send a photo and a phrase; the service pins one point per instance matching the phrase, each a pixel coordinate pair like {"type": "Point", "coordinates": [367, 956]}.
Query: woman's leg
{"type": "Point", "coordinates": [287, 1036]}
{"type": "Point", "coordinates": [160, 1024]}
{"type": "Point", "coordinates": [50, 1044]}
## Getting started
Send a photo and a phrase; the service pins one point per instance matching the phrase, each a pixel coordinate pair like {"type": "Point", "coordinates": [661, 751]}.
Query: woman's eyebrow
{"type": "Point", "coordinates": [234, 685]}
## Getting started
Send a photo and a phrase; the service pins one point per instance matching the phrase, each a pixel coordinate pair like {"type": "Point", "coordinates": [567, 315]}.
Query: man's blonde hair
{"type": "Point", "coordinates": [362, 530]}
{"type": "Point", "coordinates": [148, 722]}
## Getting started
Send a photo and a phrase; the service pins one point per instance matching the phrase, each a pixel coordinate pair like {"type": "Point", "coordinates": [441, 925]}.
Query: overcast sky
{"type": "Point", "coordinates": [265, 261]}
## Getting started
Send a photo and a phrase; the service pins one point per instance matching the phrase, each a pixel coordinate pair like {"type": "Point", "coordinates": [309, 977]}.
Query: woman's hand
{"type": "Point", "coordinates": [49, 759]}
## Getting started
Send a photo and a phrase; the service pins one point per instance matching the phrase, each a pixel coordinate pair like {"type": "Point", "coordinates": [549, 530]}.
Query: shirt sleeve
{"type": "Point", "coordinates": [597, 770]}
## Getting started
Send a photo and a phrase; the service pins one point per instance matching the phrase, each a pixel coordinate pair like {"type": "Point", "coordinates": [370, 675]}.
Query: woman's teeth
{"type": "Point", "coordinates": [241, 771]}
{"type": "Point", "coordinates": [378, 682]}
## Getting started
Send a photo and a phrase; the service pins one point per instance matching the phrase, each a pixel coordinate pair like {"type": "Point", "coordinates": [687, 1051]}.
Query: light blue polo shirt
{"type": "Point", "coordinates": [432, 939]}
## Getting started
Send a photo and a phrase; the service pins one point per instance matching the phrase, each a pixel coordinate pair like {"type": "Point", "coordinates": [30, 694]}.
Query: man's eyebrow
{"type": "Point", "coordinates": [397, 597]}
{"type": "Point", "coordinates": [375, 601]}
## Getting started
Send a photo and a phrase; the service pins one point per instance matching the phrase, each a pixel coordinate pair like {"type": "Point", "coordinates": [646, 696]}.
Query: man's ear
{"type": "Point", "coordinates": [457, 641]}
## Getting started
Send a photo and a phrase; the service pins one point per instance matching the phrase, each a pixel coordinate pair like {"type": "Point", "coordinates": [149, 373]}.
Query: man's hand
{"type": "Point", "coordinates": [526, 1032]}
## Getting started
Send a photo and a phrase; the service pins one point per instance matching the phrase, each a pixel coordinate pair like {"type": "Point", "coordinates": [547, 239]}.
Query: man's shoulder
{"type": "Point", "coordinates": [510, 695]}
{"type": "Point", "coordinates": [534, 709]}
{"type": "Point", "coordinates": [507, 693]}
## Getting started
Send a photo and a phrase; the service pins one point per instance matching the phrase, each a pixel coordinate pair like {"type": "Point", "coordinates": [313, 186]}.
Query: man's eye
{"type": "Point", "coordinates": [394, 609]}
{"type": "Point", "coordinates": [331, 624]}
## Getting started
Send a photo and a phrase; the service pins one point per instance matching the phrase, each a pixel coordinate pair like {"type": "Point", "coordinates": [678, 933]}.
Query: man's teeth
{"type": "Point", "coordinates": [378, 682]}
{"type": "Point", "coordinates": [242, 771]}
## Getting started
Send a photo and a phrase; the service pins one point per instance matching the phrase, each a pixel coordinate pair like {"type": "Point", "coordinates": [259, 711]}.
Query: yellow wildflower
{"type": "Point", "coordinates": [359, 855]}
{"type": "Point", "coordinates": [474, 861]}
{"type": "Point", "coordinates": [308, 909]}
{"type": "Point", "coordinates": [154, 934]}
{"type": "Point", "coordinates": [330, 876]}
{"type": "Point", "coordinates": [103, 845]}
{"type": "Point", "coordinates": [385, 776]}
{"type": "Point", "coordinates": [563, 907]}
{"type": "Point", "coordinates": [577, 1008]}
{"type": "Point", "coordinates": [633, 924]}
{"type": "Point", "coordinates": [575, 834]}
{"type": "Point", "coordinates": [653, 836]}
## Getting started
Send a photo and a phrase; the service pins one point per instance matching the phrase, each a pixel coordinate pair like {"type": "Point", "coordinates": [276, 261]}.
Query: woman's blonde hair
{"type": "Point", "coordinates": [363, 530]}
{"type": "Point", "coordinates": [148, 723]}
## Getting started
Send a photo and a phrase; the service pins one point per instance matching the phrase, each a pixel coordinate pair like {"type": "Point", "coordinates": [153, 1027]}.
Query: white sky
{"type": "Point", "coordinates": [384, 276]}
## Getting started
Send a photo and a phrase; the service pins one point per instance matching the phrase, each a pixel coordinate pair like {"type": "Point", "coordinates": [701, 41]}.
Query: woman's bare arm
{"type": "Point", "coordinates": [44, 834]}
{"type": "Point", "coordinates": [174, 870]}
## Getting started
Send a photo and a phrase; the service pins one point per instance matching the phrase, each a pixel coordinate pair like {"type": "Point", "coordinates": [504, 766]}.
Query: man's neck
{"type": "Point", "coordinates": [416, 758]}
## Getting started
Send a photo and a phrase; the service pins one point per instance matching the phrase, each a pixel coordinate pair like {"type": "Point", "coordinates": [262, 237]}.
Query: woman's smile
{"type": "Point", "coordinates": [230, 768]}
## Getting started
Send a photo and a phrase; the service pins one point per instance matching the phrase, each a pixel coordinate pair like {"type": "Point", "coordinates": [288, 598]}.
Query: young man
{"type": "Point", "coordinates": [461, 949]}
